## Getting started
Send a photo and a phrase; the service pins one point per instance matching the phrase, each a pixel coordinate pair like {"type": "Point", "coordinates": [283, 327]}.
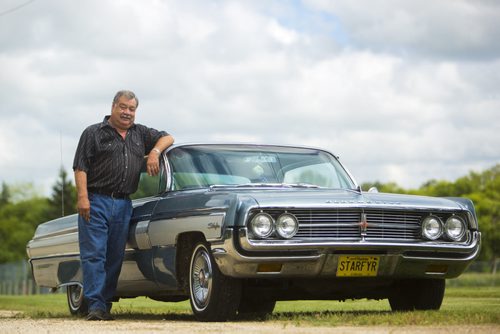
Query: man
{"type": "Point", "coordinates": [107, 168]}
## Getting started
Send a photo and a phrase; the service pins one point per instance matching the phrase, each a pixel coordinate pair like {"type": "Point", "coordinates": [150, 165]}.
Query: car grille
{"type": "Point", "coordinates": [357, 224]}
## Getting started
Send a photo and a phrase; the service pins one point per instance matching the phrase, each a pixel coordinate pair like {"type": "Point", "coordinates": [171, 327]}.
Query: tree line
{"type": "Point", "coordinates": [21, 209]}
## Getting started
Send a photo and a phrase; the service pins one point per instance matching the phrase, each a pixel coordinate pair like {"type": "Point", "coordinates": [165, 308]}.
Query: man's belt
{"type": "Point", "coordinates": [112, 194]}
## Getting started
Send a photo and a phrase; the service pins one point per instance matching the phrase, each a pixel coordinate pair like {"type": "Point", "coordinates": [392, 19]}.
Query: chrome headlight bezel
{"type": "Point", "coordinates": [286, 226]}
{"type": "Point", "coordinates": [453, 222]}
{"type": "Point", "coordinates": [256, 225]}
{"type": "Point", "coordinates": [432, 227]}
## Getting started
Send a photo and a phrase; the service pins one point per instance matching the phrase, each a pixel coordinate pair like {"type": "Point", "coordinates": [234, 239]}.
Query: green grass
{"type": "Point", "coordinates": [474, 280]}
{"type": "Point", "coordinates": [464, 304]}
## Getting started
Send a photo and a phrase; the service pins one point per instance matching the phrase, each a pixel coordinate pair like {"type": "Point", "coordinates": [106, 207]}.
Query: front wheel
{"type": "Point", "coordinates": [213, 296]}
{"type": "Point", "coordinates": [76, 302]}
{"type": "Point", "coordinates": [417, 294]}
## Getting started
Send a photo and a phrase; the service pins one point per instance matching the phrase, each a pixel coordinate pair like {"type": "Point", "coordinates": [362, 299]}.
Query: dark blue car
{"type": "Point", "coordinates": [235, 228]}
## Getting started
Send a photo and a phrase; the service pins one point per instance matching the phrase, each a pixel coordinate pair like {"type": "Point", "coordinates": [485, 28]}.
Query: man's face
{"type": "Point", "coordinates": [123, 113]}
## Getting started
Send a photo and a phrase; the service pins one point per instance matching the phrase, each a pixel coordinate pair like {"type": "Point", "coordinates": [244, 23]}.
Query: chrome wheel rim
{"type": "Point", "coordinates": [75, 296]}
{"type": "Point", "coordinates": [201, 278]}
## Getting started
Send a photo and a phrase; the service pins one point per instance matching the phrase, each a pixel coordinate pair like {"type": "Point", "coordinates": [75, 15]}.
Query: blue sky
{"type": "Point", "coordinates": [402, 91]}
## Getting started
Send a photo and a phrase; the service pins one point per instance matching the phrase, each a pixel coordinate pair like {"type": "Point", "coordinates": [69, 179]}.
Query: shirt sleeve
{"type": "Point", "coordinates": [151, 136]}
{"type": "Point", "coordinates": [84, 151]}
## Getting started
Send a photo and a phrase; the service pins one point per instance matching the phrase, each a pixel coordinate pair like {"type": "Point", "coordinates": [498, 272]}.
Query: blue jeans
{"type": "Point", "coordinates": [102, 247]}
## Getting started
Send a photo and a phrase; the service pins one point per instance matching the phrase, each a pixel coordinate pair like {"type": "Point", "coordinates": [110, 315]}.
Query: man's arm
{"type": "Point", "coordinates": [83, 203]}
{"type": "Point", "coordinates": [153, 163]}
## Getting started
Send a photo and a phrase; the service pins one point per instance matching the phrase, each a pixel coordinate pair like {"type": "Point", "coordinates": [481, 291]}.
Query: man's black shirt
{"type": "Point", "coordinates": [113, 164]}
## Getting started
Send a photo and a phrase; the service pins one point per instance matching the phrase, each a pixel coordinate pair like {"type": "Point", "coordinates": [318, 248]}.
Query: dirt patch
{"type": "Point", "coordinates": [9, 314]}
{"type": "Point", "coordinates": [10, 322]}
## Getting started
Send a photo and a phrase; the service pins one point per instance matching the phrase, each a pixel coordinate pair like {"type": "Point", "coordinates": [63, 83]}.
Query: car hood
{"type": "Point", "coordinates": [324, 198]}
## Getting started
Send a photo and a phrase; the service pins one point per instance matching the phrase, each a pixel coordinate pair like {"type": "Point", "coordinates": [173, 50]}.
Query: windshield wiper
{"type": "Point", "coordinates": [263, 185]}
{"type": "Point", "coordinates": [302, 185]}
{"type": "Point", "coordinates": [245, 185]}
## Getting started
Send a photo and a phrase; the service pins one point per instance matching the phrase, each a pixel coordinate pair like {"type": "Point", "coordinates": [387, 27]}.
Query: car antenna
{"type": "Point", "coordinates": [62, 183]}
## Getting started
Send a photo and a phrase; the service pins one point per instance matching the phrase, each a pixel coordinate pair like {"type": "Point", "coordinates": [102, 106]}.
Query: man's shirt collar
{"type": "Point", "coordinates": [105, 123]}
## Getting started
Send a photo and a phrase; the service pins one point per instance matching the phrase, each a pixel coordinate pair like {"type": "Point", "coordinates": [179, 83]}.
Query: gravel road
{"type": "Point", "coordinates": [11, 323]}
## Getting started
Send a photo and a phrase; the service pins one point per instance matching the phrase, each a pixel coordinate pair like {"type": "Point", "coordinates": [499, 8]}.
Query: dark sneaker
{"type": "Point", "coordinates": [107, 316]}
{"type": "Point", "coordinates": [99, 315]}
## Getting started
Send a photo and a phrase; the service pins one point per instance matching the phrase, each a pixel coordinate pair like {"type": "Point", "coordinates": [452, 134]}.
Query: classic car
{"type": "Point", "coordinates": [236, 227]}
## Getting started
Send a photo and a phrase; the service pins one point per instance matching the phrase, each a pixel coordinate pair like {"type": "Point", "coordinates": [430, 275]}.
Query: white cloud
{"type": "Point", "coordinates": [404, 92]}
{"type": "Point", "coordinates": [458, 29]}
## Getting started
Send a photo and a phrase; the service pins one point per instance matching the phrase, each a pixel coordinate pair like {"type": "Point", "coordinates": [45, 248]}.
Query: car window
{"type": "Point", "coordinates": [318, 174]}
{"type": "Point", "coordinates": [201, 166]}
{"type": "Point", "coordinates": [148, 186]}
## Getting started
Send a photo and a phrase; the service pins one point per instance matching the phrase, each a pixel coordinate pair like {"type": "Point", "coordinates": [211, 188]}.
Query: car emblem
{"type": "Point", "coordinates": [363, 225]}
{"type": "Point", "coordinates": [214, 226]}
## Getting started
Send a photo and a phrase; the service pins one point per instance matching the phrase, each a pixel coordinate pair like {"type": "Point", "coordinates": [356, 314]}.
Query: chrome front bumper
{"type": "Point", "coordinates": [240, 257]}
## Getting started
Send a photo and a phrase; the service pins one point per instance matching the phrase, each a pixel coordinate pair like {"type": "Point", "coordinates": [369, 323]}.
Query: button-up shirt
{"type": "Point", "coordinates": [114, 164]}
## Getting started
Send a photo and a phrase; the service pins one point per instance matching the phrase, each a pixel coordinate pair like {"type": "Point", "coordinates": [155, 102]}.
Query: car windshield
{"type": "Point", "coordinates": [201, 166]}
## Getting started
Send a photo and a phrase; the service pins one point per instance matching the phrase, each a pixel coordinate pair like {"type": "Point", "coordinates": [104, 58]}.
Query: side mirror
{"type": "Point", "coordinates": [373, 190]}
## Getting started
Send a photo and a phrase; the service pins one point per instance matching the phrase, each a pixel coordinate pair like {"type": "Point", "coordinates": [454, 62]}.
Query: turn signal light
{"type": "Point", "coordinates": [269, 267]}
{"type": "Point", "coordinates": [436, 269]}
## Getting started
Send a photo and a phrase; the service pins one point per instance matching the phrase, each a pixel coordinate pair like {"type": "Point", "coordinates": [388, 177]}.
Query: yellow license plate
{"type": "Point", "coordinates": [357, 266]}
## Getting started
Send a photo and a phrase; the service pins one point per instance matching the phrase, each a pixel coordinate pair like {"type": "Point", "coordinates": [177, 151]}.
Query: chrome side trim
{"type": "Point", "coordinates": [57, 233]}
{"type": "Point", "coordinates": [54, 246]}
{"type": "Point", "coordinates": [165, 232]}
{"type": "Point", "coordinates": [46, 270]}
{"type": "Point", "coordinates": [141, 235]}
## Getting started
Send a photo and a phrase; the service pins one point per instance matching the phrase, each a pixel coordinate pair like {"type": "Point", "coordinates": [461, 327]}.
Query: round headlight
{"type": "Point", "coordinates": [432, 228]}
{"type": "Point", "coordinates": [287, 226]}
{"type": "Point", "coordinates": [454, 228]}
{"type": "Point", "coordinates": [262, 225]}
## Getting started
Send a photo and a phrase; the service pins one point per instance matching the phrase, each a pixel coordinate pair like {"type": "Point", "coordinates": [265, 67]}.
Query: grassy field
{"type": "Point", "coordinates": [471, 300]}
